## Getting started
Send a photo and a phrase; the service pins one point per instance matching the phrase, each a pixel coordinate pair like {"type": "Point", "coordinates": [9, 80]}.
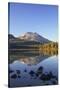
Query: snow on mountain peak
{"type": "Point", "coordinates": [33, 36]}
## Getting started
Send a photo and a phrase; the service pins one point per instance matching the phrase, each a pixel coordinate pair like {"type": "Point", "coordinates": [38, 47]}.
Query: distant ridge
{"type": "Point", "coordinates": [30, 36]}
{"type": "Point", "coordinates": [10, 36]}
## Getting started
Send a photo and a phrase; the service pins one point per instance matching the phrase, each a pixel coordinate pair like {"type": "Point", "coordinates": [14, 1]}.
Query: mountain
{"type": "Point", "coordinates": [30, 36]}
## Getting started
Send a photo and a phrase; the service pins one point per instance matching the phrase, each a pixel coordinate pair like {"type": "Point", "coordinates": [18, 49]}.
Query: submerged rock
{"type": "Point", "coordinates": [18, 71]}
{"type": "Point", "coordinates": [14, 76]}
{"type": "Point", "coordinates": [36, 74]}
{"type": "Point", "coordinates": [19, 76]}
{"type": "Point", "coordinates": [11, 71]}
{"type": "Point", "coordinates": [45, 77]}
{"type": "Point", "coordinates": [25, 70]}
{"type": "Point", "coordinates": [39, 71]}
{"type": "Point", "coordinates": [32, 73]}
{"type": "Point", "coordinates": [40, 68]}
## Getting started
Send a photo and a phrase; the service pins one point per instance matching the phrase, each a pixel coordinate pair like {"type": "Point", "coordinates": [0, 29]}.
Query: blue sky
{"type": "Point", "coordinates": [42, 19]}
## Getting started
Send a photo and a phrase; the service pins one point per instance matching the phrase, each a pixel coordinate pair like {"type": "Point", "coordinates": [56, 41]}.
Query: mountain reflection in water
{"type": "Point", "coordinates": [33, 57]}
{"type": "Point", "coordinates": [32, 69]}
{"type": "Point", "coordinates": [29, 60]}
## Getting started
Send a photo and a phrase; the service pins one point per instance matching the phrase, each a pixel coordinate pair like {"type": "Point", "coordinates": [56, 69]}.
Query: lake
{"type": "Point", "coordinates": [33, 70]}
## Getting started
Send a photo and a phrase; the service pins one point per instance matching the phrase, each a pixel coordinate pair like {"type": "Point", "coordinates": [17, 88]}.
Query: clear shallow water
{"type": "Point", "coordinates": [27, 72]}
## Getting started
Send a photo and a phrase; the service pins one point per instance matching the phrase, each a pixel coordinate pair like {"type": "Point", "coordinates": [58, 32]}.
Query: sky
{"type": "Point", "coordinates": [42, 19]}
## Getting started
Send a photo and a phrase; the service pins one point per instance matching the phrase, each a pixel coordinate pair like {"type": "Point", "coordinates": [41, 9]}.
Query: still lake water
{"type": "Point", "coordinates": [33, 70]}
